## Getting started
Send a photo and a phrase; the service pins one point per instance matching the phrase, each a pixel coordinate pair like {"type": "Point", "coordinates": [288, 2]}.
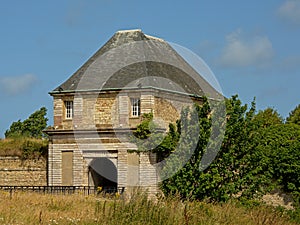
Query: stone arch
{"type": "Point", "coordinates": [103, 173]}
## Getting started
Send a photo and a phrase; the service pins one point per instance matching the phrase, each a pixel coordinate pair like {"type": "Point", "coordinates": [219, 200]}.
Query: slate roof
{"type": "Point", "coordinates": [133, 60]}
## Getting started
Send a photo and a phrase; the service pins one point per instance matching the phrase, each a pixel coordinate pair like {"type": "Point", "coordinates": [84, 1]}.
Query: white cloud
{"type": "Point", "coordinates": [290, 11]}
{"type": "Point", "coordinates": [250, 51]}
{"type": "Point", "coordinates": [17, 84]}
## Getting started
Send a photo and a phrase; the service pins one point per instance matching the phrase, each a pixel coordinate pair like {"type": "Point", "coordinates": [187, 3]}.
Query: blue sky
{"type": "Point", "coordinates": [251, 46]}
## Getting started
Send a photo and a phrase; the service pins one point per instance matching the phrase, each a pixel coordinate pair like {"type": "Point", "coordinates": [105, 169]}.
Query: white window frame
{"type": "Point", "coordinates": [69, 106]}
{"type": "Point", "coordinates": [135, 107]}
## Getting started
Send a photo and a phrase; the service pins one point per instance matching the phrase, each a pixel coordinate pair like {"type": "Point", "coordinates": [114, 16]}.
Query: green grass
{"type": "Point", "coordinates": [33, 208]}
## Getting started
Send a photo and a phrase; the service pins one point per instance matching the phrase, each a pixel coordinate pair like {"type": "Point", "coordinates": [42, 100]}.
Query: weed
{"type": "Point", "coordinates": [34, 208]}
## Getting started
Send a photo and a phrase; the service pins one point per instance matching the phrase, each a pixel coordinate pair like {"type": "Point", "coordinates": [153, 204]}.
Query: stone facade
{"type": "Point", "coordinates": [99, 129]}
{"type": "Point", "coordinates": [17, 172]}
{"type": "Point", "coordinates": [100, 105]}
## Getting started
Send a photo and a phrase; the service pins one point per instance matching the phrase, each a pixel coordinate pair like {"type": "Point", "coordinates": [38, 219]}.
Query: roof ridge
{"type": "Point", "coordinates": [154, 38]}
{"type": "Point", "coordinates": [130, 30]}
{"type": "Point", "coordinates": [140, 31]}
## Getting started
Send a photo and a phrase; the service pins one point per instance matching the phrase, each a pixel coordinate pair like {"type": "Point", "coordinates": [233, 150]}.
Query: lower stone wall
{"type": "Point", "coordinates": [147, 173]}
{"type": "Point", "coordinates": [17, 172]}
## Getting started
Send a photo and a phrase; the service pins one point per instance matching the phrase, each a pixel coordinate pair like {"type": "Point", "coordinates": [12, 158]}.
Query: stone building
{"type": "Point", "coordinates": [100, 105]}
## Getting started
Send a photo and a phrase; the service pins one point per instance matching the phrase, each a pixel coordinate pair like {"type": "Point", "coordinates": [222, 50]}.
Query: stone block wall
{"type": "Point", "coordinates": [148, 177]}
{"type": "Point", "coordinates": [55, 164]}
{"type": "Point", "coordinates": [111, 109]}
{"type": "Point", "coordinates": [106, 111]}
{"type": "Point", "coordinates": [90, 111]}
{"type": "Point", "coordinates": [101, 123]}
{"type": "Point", "coordinates": [17, 172]}
{"type": "Point", "coordinates": [167, 107]}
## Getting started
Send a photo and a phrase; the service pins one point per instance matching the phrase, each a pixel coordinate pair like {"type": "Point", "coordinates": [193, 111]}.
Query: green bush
{"type": "Point", "coordinates": [281, 145]}
{"type": "Point", "coordinates": [258, 154]}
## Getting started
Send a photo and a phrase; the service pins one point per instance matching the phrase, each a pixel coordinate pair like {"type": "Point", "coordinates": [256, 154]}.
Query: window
{"type": "Point", "coordinates": [69, 109]}
{"type": "Point", "coordinates": [135, 107]}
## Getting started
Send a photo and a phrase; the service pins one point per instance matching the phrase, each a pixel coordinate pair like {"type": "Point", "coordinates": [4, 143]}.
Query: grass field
{"type": "Point", "coordinates": [33, 208]}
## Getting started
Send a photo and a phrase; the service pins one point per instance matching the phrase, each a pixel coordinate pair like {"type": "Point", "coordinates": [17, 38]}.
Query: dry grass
{"type": "Point", "coordinates": [10, 147]}
{"type": "Point", "coordinates": [33, 208]}
{"type": "Point", "coordinates": [22, 147]}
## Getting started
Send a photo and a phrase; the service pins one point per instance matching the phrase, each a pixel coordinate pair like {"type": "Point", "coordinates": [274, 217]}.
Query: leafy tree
{"type": "Point", "coordinates": [169, 143]}
{"type": "Point", "coordinates": [33, 126]}
{"type": "Point", "coordinates": [294, 116]}
{"type": "Point", "coordinates": [191, 138]}
{"type": "Point", "coordinates": [258, 153]}
{"type": "Point", "coordinates": [148, 134]}
{"type": "Point", "coordinates": [15, 129]}
{"type": "Point", "coordinates": [281, 145]}
{"type": "Point", "coordinates": [36, 123]}
{"type": "Point", "coordinates": [266, 118]}
{"type": "Point", "coordinates": [146, 127]}
{"type": "Point", "coordinates": [238, 169]}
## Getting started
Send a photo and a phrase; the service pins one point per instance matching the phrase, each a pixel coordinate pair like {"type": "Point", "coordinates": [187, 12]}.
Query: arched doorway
{"type": "Point", "coordinates": [103, 173]}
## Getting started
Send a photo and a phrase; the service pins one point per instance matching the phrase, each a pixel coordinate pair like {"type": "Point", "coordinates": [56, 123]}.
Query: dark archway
{"type": "Point", "coordinates": [103, 173]}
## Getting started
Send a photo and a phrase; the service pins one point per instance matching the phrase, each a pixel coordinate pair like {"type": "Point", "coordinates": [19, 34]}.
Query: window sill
{"type": "Point", "coordinates": [134, 117]}
{"type": "Point", "coordinates": [69, 119]}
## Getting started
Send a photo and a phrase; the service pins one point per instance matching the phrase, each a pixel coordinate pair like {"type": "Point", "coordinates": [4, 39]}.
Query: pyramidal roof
{"type": "Point", "coordinates": [133, 60]}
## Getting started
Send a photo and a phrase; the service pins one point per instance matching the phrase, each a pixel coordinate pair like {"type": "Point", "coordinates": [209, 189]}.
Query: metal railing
{"type": "Point", "coordinates": [85, 190]}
